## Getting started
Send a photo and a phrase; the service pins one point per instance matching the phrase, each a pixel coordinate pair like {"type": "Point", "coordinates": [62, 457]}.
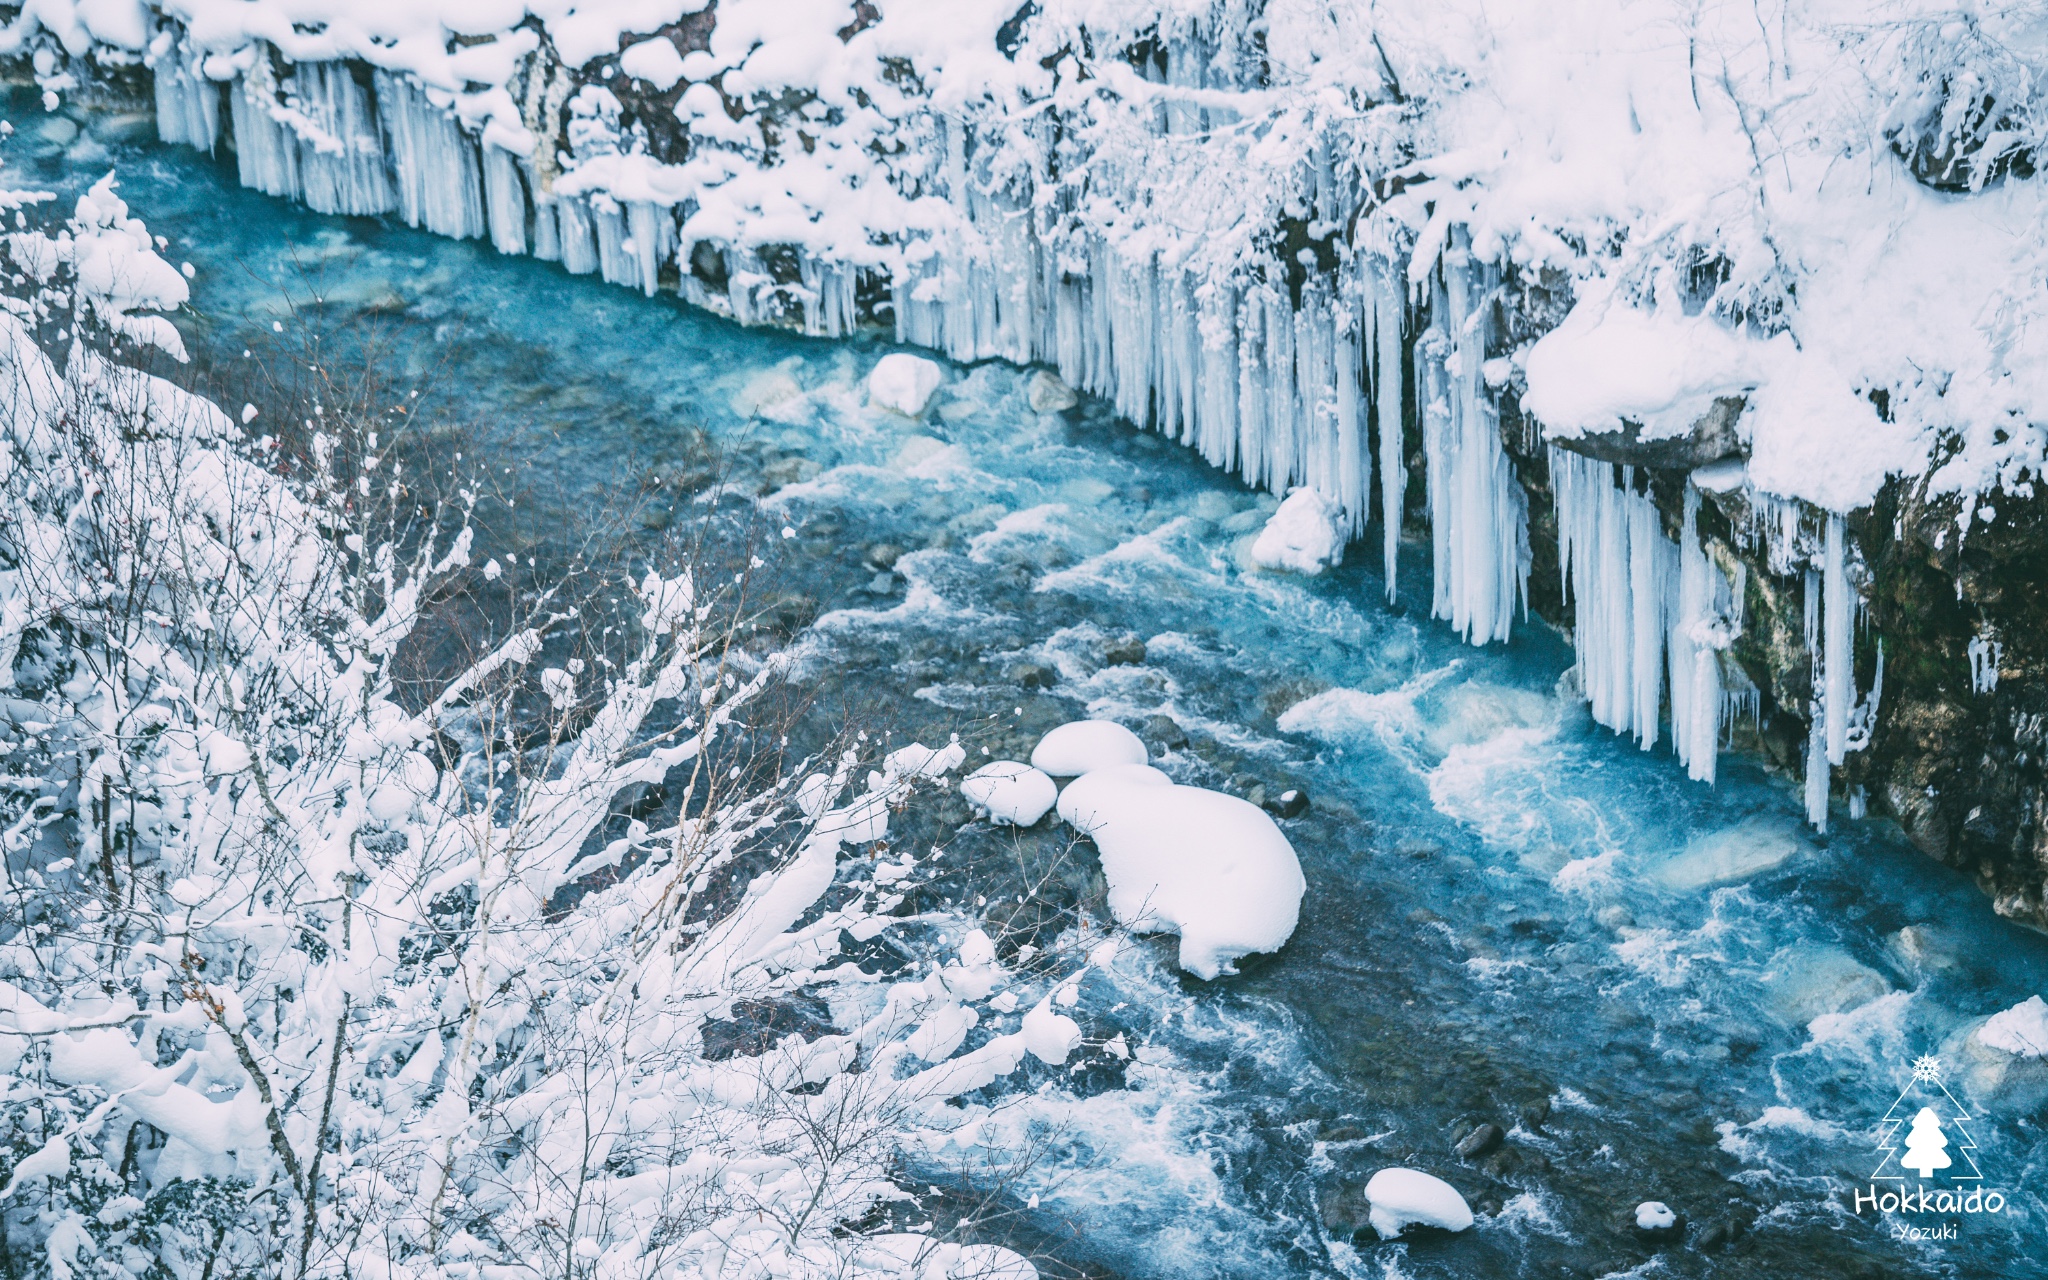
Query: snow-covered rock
{"type": "Point", "coordinates": [1210, 867]}
{"type": "Point", "coordinates": [1655, 1215]}
{"type": "Point", "coordinates": [1306, 535]}
{"type": "Point", "coordinates": [1078, 746]}
{"type": "Point", "coordinates": [2003, 1060]}
{"type": "Point", "coordinates": [655, 61]}
{"type": "Point", "coordinates": [904, 383]}
{"type": "Point", "coordinates": [1096, 791]}
{"type": "Point", "coordinates": [1050, 1036]}
{"type": "Point", "coordinates": [1045, 393]}
{"type": "Point", "coordinates": [1010, 792]}
{"type": "Point", "coordinates": [1403, 1198]}
{"type": "Point", "coordinates": [2021, 1030]}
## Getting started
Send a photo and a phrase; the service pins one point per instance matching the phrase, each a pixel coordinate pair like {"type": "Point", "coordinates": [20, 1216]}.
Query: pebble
{"type": "Point", "coordinates": [1047, 394]}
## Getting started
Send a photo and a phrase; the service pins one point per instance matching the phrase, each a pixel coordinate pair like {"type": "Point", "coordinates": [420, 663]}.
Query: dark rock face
{"type": "Point", "coordinates": [1965, 773]}
{"type": "Point", "coordinates": [1711, 439]}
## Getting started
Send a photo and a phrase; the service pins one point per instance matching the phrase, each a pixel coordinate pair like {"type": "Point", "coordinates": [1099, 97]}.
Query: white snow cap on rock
{"type": "Point", "coordinates": [1010, 792]}
{"type": "Point", "coordinates": [1050, 1036]}
{"type": "Point", "coordinates": [2021, 1030]}
{"type": "Point", "coordinates": [1304, 536]}
{"type": "Point", "coordinates": [1403, 1198]}
{"type": "Point", "coordinates": [1079, 746]}
{"type": "Point", "coordinates": [904, 383]}
{"type": "Point", "coordinates": [1207, 866]}
{"type": "Point", "coordinates": [655, 61]}
{"type": "Point", "coordinates": [1095, 792]}
{"type": "Point", "coordinates": [1655, 1215]}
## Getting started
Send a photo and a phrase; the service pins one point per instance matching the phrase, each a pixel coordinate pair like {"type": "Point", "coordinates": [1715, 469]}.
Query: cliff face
{"type": "Point", "coordinates": [1354, 253]}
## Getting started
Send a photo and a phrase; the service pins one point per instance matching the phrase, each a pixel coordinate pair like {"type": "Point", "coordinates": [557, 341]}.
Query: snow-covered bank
{"type": "Point", "coordinates": [329, 977]}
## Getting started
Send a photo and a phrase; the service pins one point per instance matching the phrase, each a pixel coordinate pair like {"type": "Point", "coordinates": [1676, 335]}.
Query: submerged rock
{"type": "Point", "coordinates": [1480, 1141]}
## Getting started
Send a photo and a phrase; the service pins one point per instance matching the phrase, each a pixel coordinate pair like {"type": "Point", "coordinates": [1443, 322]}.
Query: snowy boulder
{"type": "Point", "coordinates": [1011, 793]}
{"type": "Point", "coordinates": [655, 61]}
{"type": "Point", "coordinates": [1404, 1198]}
{"type": "Point", "coordinates": [1050, 1036]}
{"type": "Point", "coordinates": [1095, 792]}
{"type": "Point", "coordinates": [1210, 867]}
{"type": "Point", "coordinates": [2003, 1061]}
{"type": "Point", "coordinates": [1655, 1215]}
{"type": "Point", "coordinates": [1047, 394]}
{"type": "Point", "coordinates": [1081, 745]}
{"type": "Point", "coordinates": [904, 383]}
{"type": "Point", "coordinates": [1305, 535]}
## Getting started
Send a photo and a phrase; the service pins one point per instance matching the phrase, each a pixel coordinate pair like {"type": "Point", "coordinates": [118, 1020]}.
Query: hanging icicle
{"type": "Point", "coordinates": [1479, 515]}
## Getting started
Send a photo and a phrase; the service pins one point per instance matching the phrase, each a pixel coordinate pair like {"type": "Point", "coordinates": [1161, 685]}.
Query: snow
{"type": "Point", "coordinates": [1611, 363]}
{"type": "Point", "coordinates": [1078, 746]}
{"type": "Point", "coordinates": [2021, 1030]}
{"type": "Point", "coordinates": [1306, 535]}
{"type": "Point", "coordinates": [904, 383]}
{"type": "Point", "coordinates": [1403, 1198]}
{"type": "Point", "coordinates": [1050, 1036]}
{"type": "Point", "coordinates": [1210, 867]}
{"type": "Point", "coordinates": [1095, 791]}
{"type": "Point", "coordinates": [1011, 793]}
{"type": "Point", "coordinates": [655, 61]}
{"type": "Point", "coordinates": [1655, 1215]}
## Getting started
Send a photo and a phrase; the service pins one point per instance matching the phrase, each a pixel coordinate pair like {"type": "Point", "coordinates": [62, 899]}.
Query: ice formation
{"type": "Point", "coordinates": [1201, 236]}
{"type": "Point", "coordinates": [2021, 1030]}
{"type": "Point", "coordinates": [1304, 536]}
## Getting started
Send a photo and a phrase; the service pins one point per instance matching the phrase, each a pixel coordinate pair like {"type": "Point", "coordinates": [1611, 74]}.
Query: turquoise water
{"type": "Point", "coordinates": [1660, 990]}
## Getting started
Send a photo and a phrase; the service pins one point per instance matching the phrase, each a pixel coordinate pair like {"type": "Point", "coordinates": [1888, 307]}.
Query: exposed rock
{"type": "Point", "coordinates": [1127, 652]}
{"type": "Point", "coordinates": [1165, 731]}
{"type": "Point", "coordinates": [1047, 394]}
{"type": "Point", "coordinates": [1711, 439]}
{"type": "Point", "coordinates": [1482, 1140]}
{"type": "Point", "coordinates": [1290, 803]}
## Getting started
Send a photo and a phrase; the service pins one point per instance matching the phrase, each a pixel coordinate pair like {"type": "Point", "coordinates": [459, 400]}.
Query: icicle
{"type": "Point", "coordinates": [1838, 665]}
{"type": "Point", "coordinates": [1985, 655]}
{"type": "Point", "coordinates": [266, 154]}
{"type": "Point", "coordinates": [187, 103]}
{"type": "Point", "coordinates": [1817, 775]}
{"type": "Point", "coordinates": [440, 180]}
{"type": "Point", "coordinates": [1354, 461]}
{"type": "Point", "coordinates": [1387, 313]}
{"type": "Point", "coordinates": [616, 263]}
{"type": "Point", "coordinates": [578, 239]}
{"type": "Point", "coordinates": [505, 202]}
{"type": "Point", "coordinates": [341, 157]}
{"type": "Point", "coordinates": [1479, 513]}
{"type": "Point", "coordinates": [547, 235]}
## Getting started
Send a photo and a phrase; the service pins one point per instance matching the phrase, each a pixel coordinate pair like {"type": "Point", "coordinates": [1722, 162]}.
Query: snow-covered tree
{"type": "Point", "coordinates": [308, 970]}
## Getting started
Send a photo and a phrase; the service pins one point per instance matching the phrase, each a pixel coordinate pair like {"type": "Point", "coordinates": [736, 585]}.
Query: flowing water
{"type": "Point", "coordinates": [1659, 990]}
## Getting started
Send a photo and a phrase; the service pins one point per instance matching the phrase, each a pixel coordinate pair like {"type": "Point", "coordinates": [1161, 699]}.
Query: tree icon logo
{"type": "Point", "coordinates": [1926, 1144]}
{"type": "Point", "coordinates": [1937, 1135]}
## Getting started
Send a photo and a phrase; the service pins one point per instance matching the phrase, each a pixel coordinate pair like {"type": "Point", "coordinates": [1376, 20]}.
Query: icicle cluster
{"type": "Point", "coordinates": [1289, 377]}
{"type": "Point", "coordinates": [1646, 610]}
